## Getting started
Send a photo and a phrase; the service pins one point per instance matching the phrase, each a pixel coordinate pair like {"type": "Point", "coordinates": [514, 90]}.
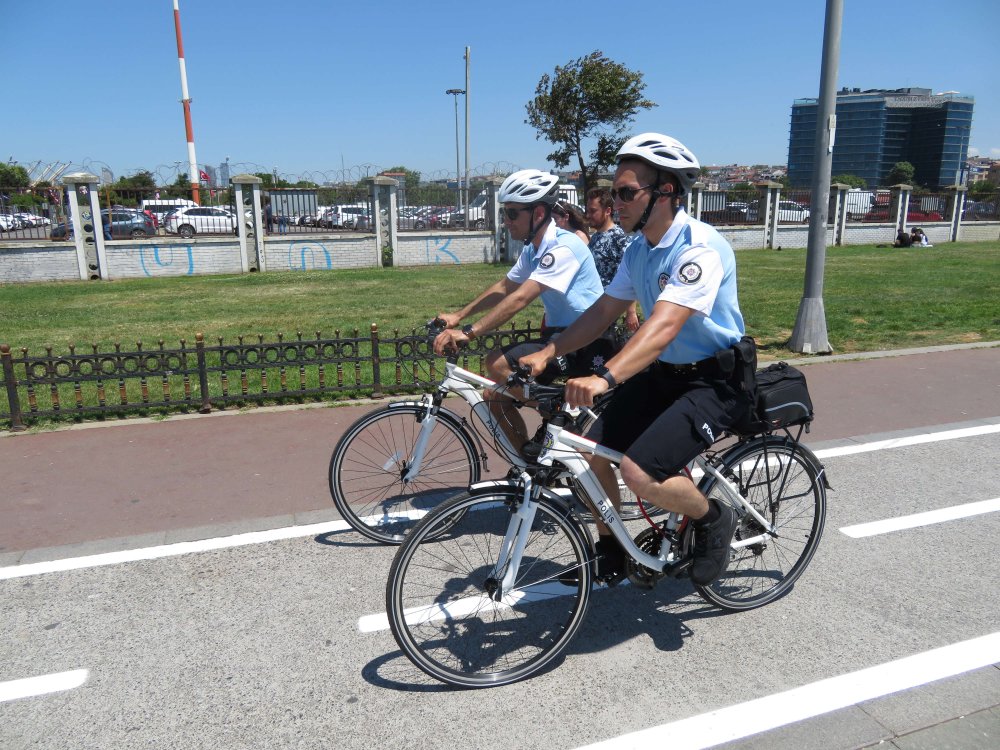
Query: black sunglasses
{"type": "Point", "coordinates": [511, 213]}
{"type": "Point", "coordinates": [627, 194]}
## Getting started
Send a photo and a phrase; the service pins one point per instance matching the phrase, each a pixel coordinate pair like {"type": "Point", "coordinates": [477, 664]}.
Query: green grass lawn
{"type": "Point", "coordinates": [875, 298]}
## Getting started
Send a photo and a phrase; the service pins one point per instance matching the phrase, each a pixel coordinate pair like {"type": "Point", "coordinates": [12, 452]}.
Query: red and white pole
{"type": "Point", "coordinates": [186, 101]}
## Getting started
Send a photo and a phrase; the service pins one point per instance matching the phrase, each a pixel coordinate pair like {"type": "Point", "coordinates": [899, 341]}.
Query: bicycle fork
{"type": "Point", "coordinates": [514, 541]}
{"type": "Point", "coordinates": [426, 428]}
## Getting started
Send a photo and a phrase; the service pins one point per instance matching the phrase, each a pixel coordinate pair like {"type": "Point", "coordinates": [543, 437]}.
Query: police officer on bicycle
{"type": "Point", "coordinates": [679, 386]}
{"type": "Point", "coordinates": [554, 265]}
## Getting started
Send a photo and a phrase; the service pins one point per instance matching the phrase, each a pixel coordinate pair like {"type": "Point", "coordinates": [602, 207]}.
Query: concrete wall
{"type": "Point", "coordinates": [44, 260]}
{"type": "Point", "coordinates": [41, 260]}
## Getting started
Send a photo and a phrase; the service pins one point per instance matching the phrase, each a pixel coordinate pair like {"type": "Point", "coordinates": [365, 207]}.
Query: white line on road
{"type": "Point", "coordinates": [291, 532]}
{"type": "Point", "coordinates": [927, 437]}
{"type": "Point", "coordinates": [922, 519]}
{"type": "Point", "coordinates": [42, 685]}
{"type": "Point", "coordinates": [761, 715]}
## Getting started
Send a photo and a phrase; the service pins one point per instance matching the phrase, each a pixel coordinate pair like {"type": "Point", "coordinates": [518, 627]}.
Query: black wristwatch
{"type": "Point", "coordinates": [467, 330]}
{"type": "Point", "coordinates": [604, 372]}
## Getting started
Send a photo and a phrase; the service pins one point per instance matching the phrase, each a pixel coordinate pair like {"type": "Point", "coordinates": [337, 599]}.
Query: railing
{"type": "Point", "coordinates": [204, 377]}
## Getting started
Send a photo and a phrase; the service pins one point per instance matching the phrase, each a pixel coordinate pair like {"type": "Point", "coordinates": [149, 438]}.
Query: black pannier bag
{"type": "Point", "coordinates": [782, 396]}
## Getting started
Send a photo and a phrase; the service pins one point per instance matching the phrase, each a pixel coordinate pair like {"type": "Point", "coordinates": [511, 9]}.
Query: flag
{"type": "Point", "coordinates": [203, 175]}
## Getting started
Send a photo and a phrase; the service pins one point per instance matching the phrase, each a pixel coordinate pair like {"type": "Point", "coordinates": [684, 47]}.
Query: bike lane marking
{"type": "Point", "coordinates": [927, 518]}
{"type": "Point", "coordinates": [30, 687]}
{"type": "Point", "coordinates": [291, 532]}
{"type": "Point", "coordinates": [902, 442]}
{"type": "Point", "coordinates": [773, 711]}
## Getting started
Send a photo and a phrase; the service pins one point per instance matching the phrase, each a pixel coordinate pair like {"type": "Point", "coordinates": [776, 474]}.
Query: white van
{"type": "Point", "coordinates": [160, 207]}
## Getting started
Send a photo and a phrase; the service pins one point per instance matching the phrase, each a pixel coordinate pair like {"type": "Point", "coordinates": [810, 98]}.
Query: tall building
{"type": "Point", "coordinates": [878, 127]}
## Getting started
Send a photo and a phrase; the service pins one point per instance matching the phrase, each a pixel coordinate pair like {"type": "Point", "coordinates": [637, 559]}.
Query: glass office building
{"type": "Point", "coordinates": [877, 128]}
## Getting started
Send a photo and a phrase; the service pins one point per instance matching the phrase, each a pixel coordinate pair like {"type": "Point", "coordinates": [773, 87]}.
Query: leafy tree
{"type": "Point", "coordinates": [982, 188]}
{"type": "Point", "coordinates": [743, 191]}
{"type": "Point", "coordinates": [13, 176]}
{"type": "Point", "coordinates": [901, 174]}
{"type": "Point", "coordinates": [851, 180]}
{"type": "Point", "coordinates": [592, 99]}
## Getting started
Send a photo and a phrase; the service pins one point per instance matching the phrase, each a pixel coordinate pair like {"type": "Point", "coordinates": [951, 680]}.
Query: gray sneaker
{"type": "Point", "coordinates": [711, 546]}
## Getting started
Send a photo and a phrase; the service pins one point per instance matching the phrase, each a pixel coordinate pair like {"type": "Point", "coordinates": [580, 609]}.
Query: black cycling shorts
{"type": "Point", "coordinates": [662, 423]}
{"type": "Point", "coordinates": [577, 364]}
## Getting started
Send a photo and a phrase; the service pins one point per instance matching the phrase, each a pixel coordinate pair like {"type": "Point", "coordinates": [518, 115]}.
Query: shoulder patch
{"type": "Point", "coordinates": [547, 260]}
{"type": "Point", "coordinates": [689, 273]}
{"type": "Point", "coordinates": [662, 281]}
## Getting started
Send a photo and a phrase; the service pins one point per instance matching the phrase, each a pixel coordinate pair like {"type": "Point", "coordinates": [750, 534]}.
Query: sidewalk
{"type": "Point", "coordinates": [194, 476]}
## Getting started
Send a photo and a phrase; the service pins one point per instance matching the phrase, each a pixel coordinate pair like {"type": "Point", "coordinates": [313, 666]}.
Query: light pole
{"type": "Point", "coordinates": [458, 173]}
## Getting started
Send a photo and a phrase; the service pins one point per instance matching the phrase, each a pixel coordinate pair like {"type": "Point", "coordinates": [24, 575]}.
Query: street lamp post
{"type": "Point", "coordinates": [458, 173]}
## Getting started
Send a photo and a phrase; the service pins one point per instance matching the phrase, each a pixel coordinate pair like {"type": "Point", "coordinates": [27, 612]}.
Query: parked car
{"type": "Point", "coordinates": [792, 211]}
{"type": "Point", "coordinates": [914, 215]}
{"type": "Point", "coordinates": [736, 212]}
{"type": "Point", "coordinates": [189, 221]}
{"type": "Point", "coordinates": [125, 224]}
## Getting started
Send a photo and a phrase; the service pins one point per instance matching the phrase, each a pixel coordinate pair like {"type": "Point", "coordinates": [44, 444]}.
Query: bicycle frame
{"type": "Point", "coordinates": [567, 449]}
{"type": "Point", "coordinates": [468, 385]}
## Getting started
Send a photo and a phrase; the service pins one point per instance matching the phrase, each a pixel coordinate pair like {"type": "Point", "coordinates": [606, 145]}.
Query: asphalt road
{"type": "Point", "coordinates": [259, 645]}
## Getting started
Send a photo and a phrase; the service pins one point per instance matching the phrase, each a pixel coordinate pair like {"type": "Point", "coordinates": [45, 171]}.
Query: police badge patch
{"type": "Point", "coordinates": [689, 273]}
{"type": "Point", "coordinates": [547, 260]}
{"type": "Point", "coordinates": [662, 281]}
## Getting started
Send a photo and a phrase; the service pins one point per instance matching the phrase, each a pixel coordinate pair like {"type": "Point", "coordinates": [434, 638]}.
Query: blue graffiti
{"type": "Point", "coordinates": [306, 256]}
{"type": "Point", "coordinates": [159, 261]}
{"type": "Point", "coordinates": [440, 246]}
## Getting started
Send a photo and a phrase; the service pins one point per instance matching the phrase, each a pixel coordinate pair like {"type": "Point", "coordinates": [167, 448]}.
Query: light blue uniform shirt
{"type": "Point", "coordinates": [693, 266]}
{"type": "Point", "coordinates": [565, 266]}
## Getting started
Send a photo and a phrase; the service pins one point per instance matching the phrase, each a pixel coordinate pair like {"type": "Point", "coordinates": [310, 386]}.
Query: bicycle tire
{"type": "Point", "coordinates": [784, 482]}
{"type": "Point", "coordinates": [437, 602]}
{"type": "Point", "coordinates": [369, 461]}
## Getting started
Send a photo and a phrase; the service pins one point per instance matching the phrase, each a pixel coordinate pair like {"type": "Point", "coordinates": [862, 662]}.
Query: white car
{"type": "Point", "coordinates": [8, 223]}
{"type": "Point", "coordinates": [187, 222]}
{"type": "Point", "coordinates": [792, 211]}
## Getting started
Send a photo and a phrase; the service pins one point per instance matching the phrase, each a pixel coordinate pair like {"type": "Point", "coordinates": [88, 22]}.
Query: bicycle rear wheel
{"type": "Point", "coordinates": [785, 485]}
{"type": "Point", "coordinates": [372, 457]}
{"type": "Point", "coordinates": [441, 596]}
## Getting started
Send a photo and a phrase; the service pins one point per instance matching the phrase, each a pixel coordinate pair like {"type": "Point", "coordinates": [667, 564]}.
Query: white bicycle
{"type": "Point", "coordinates": [398, 462]}
{"type": "Point", "coordinates": [491, 586]}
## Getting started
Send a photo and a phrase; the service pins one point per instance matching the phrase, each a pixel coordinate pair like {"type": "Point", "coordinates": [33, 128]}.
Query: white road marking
{"type": "Point", "coordinates": [42, 685]}
{"type": "Point", "coordinates": [927, 437]}
{"type": "Point", "coordinates": [922, 519]}
{"type": "Point", "coordinates": [291, 532]}
{"type": "Point", "coordinates": [773, 711]}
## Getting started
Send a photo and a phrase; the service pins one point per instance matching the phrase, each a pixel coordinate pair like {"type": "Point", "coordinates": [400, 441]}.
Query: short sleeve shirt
{"type": "Point", "coordinates": [565, 267]}
{"type": "Point", "coordinates": [693, 266]}
{"type": "Point", "coordinates": [607, 249]}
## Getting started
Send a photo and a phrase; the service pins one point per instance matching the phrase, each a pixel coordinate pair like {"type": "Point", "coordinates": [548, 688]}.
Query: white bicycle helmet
{"type": "Point", "coordinates": [529, 186]}
{"type": "Point", "coordinates": [664, 153]}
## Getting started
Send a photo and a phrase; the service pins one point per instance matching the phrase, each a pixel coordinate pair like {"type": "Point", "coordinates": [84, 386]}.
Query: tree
{"type": "Point", "coordinates": [592, 99]}
{"type": "Point", "coordinates": [901, 174]}
{"type": "Point", "coordinates": [850, 180]}
{"type": "Point", "coordinates": [13, 176]}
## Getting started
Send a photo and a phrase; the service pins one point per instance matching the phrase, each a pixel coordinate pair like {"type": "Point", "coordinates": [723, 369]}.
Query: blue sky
{"type": "Point", "coordinates": [311, 87]}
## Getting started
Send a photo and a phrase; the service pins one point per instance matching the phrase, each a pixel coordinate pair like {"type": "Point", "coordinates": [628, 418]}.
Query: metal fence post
{"type": "Point", "coordinates": [199, 346]}
{"type": "Point", "coordinates": [376, 364]}
{"type": "Point", "coordinates": [16, 425]}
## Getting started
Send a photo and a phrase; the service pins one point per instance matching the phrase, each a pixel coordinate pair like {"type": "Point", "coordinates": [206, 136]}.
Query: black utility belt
{"type": "Point", "coordinates": [549, 331]}
{"type": "Point", "coordinates": [707, 368]}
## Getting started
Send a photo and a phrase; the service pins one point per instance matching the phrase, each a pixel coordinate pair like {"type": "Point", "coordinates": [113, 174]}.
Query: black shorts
{"type": "Point", "coordinates": [577, 364]}
{"type": "Point", "coordinates": [662, 423]}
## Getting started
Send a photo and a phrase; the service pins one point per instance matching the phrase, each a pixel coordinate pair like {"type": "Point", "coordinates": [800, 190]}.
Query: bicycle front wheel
{"type": "Point", "coordinates": [443, 599]}
{"type": "Point", "coordinates": [785, 485]}
{"type": "Point", "coordinates": [370, 462]}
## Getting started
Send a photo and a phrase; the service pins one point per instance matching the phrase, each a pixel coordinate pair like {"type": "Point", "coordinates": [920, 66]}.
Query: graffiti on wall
{"type": "Point", "coordinates": [437, 248]}
{"type": "Point", "coordinates": [308, 255]}
{"type": "Point", "coordinates": [153, 259]}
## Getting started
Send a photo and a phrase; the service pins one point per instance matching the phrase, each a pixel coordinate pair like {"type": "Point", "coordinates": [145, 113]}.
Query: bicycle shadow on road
{"type": "Point", "coordinates": [614, 616]}
{"type": "Point", "coordinates": [347, 538]}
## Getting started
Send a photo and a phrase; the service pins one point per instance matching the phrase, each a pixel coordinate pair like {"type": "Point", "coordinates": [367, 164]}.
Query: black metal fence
{"type": "Point", "coordinates": [206, 376]}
